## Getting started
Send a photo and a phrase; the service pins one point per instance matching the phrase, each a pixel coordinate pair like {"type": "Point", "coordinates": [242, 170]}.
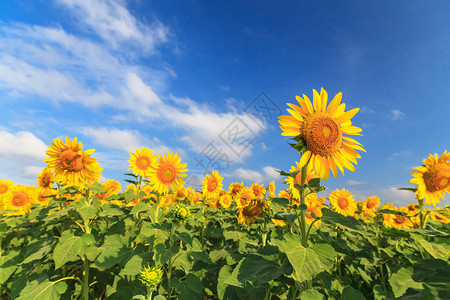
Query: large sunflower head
{"type": "Point", "coordinates": [19, 198]}
{"type": "Point", "coordinates": [235, 188]}
{"type": "Point", "coordinates": [5, 186]}
{"type": "Point", "coordinates": [224, 201]}
{"type": "Point", "coordinates": [72, 165]}
{"type": "Point", "coordinates": [245, 196]}
{"type": "Point", "coordinates": [400, 221]}
{"type": "Point", "coordinates": [433, 178]}
{"type": "Point", "coordinates": [323, 130]}
{"type": "Point", "coordinates": [166, 173]}
{"type": "Point", "coordinates": [342, 202]}
{"type": "Point", "coordinates": [371, 203]}
{"type": "Point", "coordinates": [212, 185]}
{"type": "Point", "coordinates": [141, 161]}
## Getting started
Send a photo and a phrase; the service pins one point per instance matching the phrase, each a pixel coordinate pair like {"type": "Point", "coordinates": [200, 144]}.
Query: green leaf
{"type": "Point", "coordinates": [402, 280]}
{"type": "Point", "coordinates": [222, 286]}
{"type": "Point", "coordinates": [190, 288]}
{"type": "Point", "coordinates": [307, 262]}
{"type": "Point", "coordinates": [303, 207]}
{"type": "Point", "coordinates": [108, 210]}
{"type": "Point", "coordinates": [331, 217]}
{"type": "Point", "coordinates": [86, 211]}
{"type": "Point", "coordinates": [434, 273]}
{"type": "Point", "coordinates": [439, 251]}
{"type": "Point", "coordinates": [9, 264]}
{"type": "Point", "coordinates": [350, 293]}
{"type": "Point", "coordinates": [279, 204]}
{"type": "Point", "coordinates": [44, 290]}
{"type": "Point", "coordinates": [114, 251]}
{"type": "Point", "coordinates": [136, 263]}
{"type": "Point", "coordinates": [312, 295]}
{"type": "Point", "coordinates": [162, 254]}
{"type": "Point", "coordinates": [67, 249]}
{"type": "Point", "coordinates": [394, 212]}
{"type": "Point", "coordinates": [200, 256]}
{"type": "Point", "coordinates": [258, 270]}
{"type": "Point", "coordinates": [37, 250]}
{"type": "Point", "coordinates": [140, 207]}
{"type": "Point", "coordinates": [408, 189]}
{"type": "Point", "coordinates": [129, 196]}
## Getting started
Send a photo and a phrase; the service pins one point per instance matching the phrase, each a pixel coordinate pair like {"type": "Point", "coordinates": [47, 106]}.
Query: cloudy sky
{"type": "Point", "coordinates": [207, 80]}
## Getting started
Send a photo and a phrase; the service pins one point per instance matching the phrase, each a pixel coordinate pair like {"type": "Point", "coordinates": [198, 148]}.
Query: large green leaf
{"type": "Point", "coordinates": [434, 273]}
{"type": "Point", "coordinates": [140, 207]}
{"type": "Point", "coordinates": [85, 210]}
{"type": "Point", "coordinates": [401, 281]}
{"type": "Point", "coordinates": [307, 262]}
{"type": "Point", "coordinates": [136, 263]}
{"type": "Point", "coordinates": [43, 290]}
{"type": "Point", "coordinates": [312, 295]}
{"type": "Point", "coordinates": [279, 204]}
{"type": "Point", "coordinates": [350, 293]}
{"type": "Point", "coordinates": [331, 217]}
{"type": "Point", "coordinates": [114, 251]}
{"type": "Point", "coordinates": [9, 264]}
{"type": "Point", "coordinates": [190, 288]}
{"type": "Point", "coordinates": [67, 249]}
{"type": "Point", "coordinates": [259, 269]}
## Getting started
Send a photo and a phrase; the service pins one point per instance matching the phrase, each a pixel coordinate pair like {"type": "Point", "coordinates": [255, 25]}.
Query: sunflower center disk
{"type": "Point", "coordinates": [71, 161]}
{"type": "Point", "coordinates": [167, 173]}
{"type": "Point", "coordinates": [437, 178]}
{"type": "Point", "coordinates": [19, 199]}
{"type": "Point", "coordinates": [322, 134]}
{"type": "Point", "coordinates": [143, 162]}
{"type": "Point", "coordinates": [3, 189]}
{"type": "Point", "coordinates": [342, 202]}
{"type": "Point", "coordinates": [212, 184]}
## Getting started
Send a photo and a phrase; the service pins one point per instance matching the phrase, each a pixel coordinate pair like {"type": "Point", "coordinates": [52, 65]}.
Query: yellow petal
{"type": "Point", "coordinates": [347, 116]}
{"type": "Point", "coordinates": [317, 101]}
{"type": "Point", "coordinates": [324, 97]}
{"type": "Point", "coordinates": [334, 104]}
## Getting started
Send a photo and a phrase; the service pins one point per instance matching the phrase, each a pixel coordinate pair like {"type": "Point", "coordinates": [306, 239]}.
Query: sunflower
{"type": "Point", "coordinates": [400, 221]}
{"type": "Point", "coordinates": [45, 179]}
{"type": "Point", "coordinates": [245, 196]}
{"type": "Point", "coordinates": [42, 195]}
{"type": "Point", "coordinates": [343, 202]}
{"type": "Point", "coordinates": [271, 189]}
{"type": "Point", "coordinates": [313, 210]}
{"type": "Point", "coordinates": [5, 186]}
{"type": "Point", "coordinates": [166, 173]}
{"type": "Point", "coordinates": [387, 218]}
{"type": "Point", "coordinates": [258, 190]}
{"type": "Point", "coordinates": [141, 161]}
{"type": "Point", "coordinates": [322, 129]}
{"type": "Point", "coordinates": [371, 204]}
{"type": "Point", "coordinates": [72, 165]}
{"type": "Point", "coordinates": [433, 178]}
{"type": "Point", "coordinates": [111, 186]}
{"type": "Point", "coordinates": [284, 194]}
{"type": "Point", "coordinates": [180, 194]}
{"type": "Point", "coordinates": [437, 216]}
{"type": "Point", "coordinates": [212, 185]}
{"type": "Point", "coordinates": [182, 212]}
{"type": "Point", "coordinates": [192, 196]}
{"type": "Point", "coordinates": [151, 276]}
{"type": "Point", "coordinates": [19, 198]}
{"type": "Point", "coordinates": [224, 201]}
{"type": "Point", "coordinates": [234, 189]}
{"type": "Point", "coordinates": [249, 213]}
{"type": "Point", "coordinates": [310, 174]}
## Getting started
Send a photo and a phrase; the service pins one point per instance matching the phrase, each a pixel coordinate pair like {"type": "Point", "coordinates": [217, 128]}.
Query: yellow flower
{"type": "Point", "coordinates": [271, 189]}
{"type": "Point", "coordinates": [322, 128]}
{"type": "Point", "coordinates": [212, 185]}
{"type": "Point", "coordinates": [42, 195]}
{"type": "Point", "coordinates": [224, 201]}
{"type": "Point", "coordinates": [19, 198]}
{"type": "Point", "coordinates": [45, 179]}
{"type": "Point", "coordinates": [5, 185]}
{"type": "Point", "coordinates": [180, 194]}
{"type": "Point", "coordinates": [278, 222]}
{"type": "Point", "coordinates": [284, 194]}
{"type": "Point", "coordinates": [399, 221]}
{"type": "Point", "coordinates": [192, 196]}
{"type": "Point", "coordinates": [310, 174]}
{"type": "Point", "coordinates": [151, 276]}
{"type": "Point", "coordinates": [433, 178]}
{"type": "Point", "coordinates": [245, 196]}
{"type": "Point", "coordinates": [343, 202]}
{"type": "Point", "coordinates": [388, 218]}
{"type": "Point", "coordinates": [247, 214]}
{"type": "Point", "coordinates": [234, 189]}
{"type": "Point", "coordinates": [166, 173]}
{"type": "Point", "coordinates": [182, 212]}
{"type": "Point", "coordinates": [258, 190]}
{"type": "Point", "coordinates": [111, 186]}
{"type": "Point", "coordinates": [141, 161]}
{"type": "Point", "coordinates": [437, 216]}
{"type": "Point", "coordinates": [71, 164]}
{"type": "Point", "coordinates": [371, 204]}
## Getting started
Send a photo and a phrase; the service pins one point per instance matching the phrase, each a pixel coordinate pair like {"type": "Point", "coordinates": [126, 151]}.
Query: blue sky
{"type": "Point", "coordinates": [182, 75]}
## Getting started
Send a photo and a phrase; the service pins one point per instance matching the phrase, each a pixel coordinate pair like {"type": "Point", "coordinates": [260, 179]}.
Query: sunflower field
{"type": "Point", "coordinates": [72, 237]}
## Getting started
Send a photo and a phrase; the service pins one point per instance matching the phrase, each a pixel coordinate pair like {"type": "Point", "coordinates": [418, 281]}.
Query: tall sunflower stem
{"type": "Point", "coordinates": [85, 286]}
{"type": "Point", "coordinates": [302, 201]}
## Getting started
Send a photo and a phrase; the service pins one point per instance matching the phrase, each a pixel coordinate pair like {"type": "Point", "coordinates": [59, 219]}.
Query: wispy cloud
{"type": "Point", "coordinates": [225, 88]}
{"type": "Point", "coordinates": [404, 153]}
{"type": "Point", "coordinates": [397, 114]}
{"type": "Point", "coordinates": [355, 182]}
{"type": "Point", "coordinates": [396, 196]}
{"type": "Point", "coordinates": [267, 174]}
{"type": "Point", "coordinates": [112, 21]}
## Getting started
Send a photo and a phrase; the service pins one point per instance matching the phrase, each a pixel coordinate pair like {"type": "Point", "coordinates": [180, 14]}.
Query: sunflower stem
{"type": "Point", "coordinates": [302, 201]}
{"type": "Point", "coordinates": [85, 286]}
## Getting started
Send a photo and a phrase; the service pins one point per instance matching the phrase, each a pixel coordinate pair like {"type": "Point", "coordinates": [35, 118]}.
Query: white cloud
{"type": "Point", "coordinates": [355, 182]}
{"type": "Point", "coordinates": [397, 114]}
{"type": "Point", "coordinates": [396, 196]}
{"type": "Point", "coordinates": [403, 153]}
{"type": "Point", "coordinates": [225, 88]}
{"type": "Point", "coordinates": [23, 143]}
{"type": "Point", "coordinates": [113, 22]}
{"type": "Point", "coordinates": [268, 174]}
